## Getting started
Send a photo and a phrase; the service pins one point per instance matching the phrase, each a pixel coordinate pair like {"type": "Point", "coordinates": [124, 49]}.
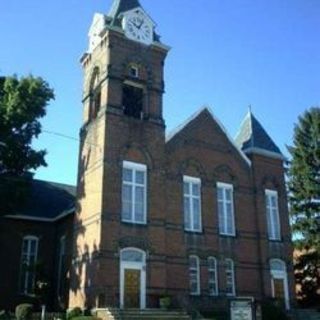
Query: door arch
{"type": "Point", "coordinates": [279, 281]}
{"type": "Point", "coordinates": [132, 278]}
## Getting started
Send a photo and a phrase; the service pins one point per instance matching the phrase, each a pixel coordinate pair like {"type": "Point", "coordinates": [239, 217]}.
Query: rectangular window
{"type": "Point", "coordinates": [273, 219]}
{"type": "Point", "coordinates": [192, 203]}
{"type": "Point", "coordinates": [194, 275]}
{"type": "Point", "coordinates": [213, 276]}
{"type": "Point", "coordinates": [225, 209]}
{"type": "Point", "coordinates": [134, 189]}
{"type": "Point", "coordinates": [230, 278]}
{"type": "Point", "coordinates": [132, 101]}
{"type": "Point", "coordinates": [27, 267]}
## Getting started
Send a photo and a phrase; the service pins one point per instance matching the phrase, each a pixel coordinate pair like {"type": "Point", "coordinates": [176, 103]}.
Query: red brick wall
{"type": "Point", "coordinates": [12, 232]}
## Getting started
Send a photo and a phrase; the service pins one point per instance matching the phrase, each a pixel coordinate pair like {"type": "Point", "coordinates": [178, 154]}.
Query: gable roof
{"type": "Point", "coordinates": [207, 111]}
{"type": "Point", "coordinates": [47, 201]}
{"type": "Point", "coordinates": [253, 138]}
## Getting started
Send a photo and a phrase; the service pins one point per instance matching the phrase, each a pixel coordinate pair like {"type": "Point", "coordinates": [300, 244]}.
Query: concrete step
{"type": "Point", "coordinates": [153, 315]}
{"type": "Point", "coordinates": [148, 314]}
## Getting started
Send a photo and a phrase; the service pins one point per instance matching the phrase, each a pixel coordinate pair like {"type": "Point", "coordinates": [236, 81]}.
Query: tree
{"type": "Point", "coordinates": [304, 188]}
{"type": "Point", "coordinates": [23, 103]}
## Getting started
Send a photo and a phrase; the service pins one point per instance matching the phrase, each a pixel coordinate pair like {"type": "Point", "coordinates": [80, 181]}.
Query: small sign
{"type": "Point", "coordinates": [241, 310]}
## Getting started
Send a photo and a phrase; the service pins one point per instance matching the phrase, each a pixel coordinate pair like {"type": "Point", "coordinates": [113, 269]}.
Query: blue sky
{"type": "Point", "coordinates": [225, 54]}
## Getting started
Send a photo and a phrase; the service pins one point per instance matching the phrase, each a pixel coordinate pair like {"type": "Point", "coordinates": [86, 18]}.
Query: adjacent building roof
{"type": "Point", "coordinates": [252, 137]}
{"type": "Point", "coordinates": [48, 201]}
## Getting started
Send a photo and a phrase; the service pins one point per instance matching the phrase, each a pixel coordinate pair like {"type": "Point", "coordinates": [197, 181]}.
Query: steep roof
{"type": "Point", "coordinates": [252, 137]}
{"type": "Point", "coordinates": [47, 200]}
{"type": "Point", "coordinates": [205, 112]}
{"type": "Point", "coordinates": [119, 6]}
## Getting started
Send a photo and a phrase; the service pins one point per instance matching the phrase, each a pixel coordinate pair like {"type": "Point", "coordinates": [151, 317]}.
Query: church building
{"type": "Point", "coordinates": [194, 215]}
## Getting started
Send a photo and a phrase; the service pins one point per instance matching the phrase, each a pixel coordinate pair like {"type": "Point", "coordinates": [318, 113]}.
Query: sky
{"type": "Point", "coordinates": [225, 54]}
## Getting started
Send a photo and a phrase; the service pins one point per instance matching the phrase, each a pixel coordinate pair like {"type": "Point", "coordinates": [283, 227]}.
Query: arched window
{"type": "Point", "coordinates": [230, 278]}
{"type": "Point", "coordinates": [95, 94]}
{"type": "Point", "coordinates": [279, 281]}
{"type": "Point", "coordinates": [194, 275]}
{"type": "Point", "coordinates": [132, 255]}
{"type": "Point", "coordinates": [213, 276]}
{"type": "Point", "coordinates": [29, 254]}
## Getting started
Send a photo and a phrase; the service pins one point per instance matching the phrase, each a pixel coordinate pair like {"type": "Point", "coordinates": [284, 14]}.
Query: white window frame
{"type": "Point", "coordinates": [142, 168]}
{"type": "Point", "coordinates": [26, 273]}
{"type": "Point", "coordinates": [224, 232]}
{"type": "Point", "coordinates": [280, 275]}
{"type": "Point", "coordinates": [197, 269]}
{"type": "Point", "coordinates": [215, 280]}
{"type": "Point", "coordinates": [273, 223]}
{"type": "Point", "coordinates": [135, 69]}
{"type": "Point", "coordinates": [231, 270]}
{"type": "Point", "coordinates": [191, 181]}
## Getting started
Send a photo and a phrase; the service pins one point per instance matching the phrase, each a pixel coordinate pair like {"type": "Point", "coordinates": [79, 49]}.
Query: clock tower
{"type": "Point", "coordinates": [120, 162]}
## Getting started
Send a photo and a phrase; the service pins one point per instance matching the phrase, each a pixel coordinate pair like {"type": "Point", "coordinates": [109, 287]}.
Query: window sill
{"type": "Point", "coordinates": [227, 235]}
{"type": "Point", "coordinates": [132, 223]}
{"type": "Point", "coordinates": [275, 240]}
{"type": "Point", "coordinates": [193, 231]}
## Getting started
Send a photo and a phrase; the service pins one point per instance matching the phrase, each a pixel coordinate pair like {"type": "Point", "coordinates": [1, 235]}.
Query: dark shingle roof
{"type": "Point", "coordinates": [119, 6]}
{"type": "Point", "coordinates": [48, 200]}
{"type": "Point", "coordinates": [252, 136]}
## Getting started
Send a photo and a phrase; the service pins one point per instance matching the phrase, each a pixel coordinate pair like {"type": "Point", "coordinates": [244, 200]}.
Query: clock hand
{"type": "Point", "coordinates": [141, 24]}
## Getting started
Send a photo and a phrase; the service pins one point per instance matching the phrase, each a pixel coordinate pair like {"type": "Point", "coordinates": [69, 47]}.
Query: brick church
{"type": "Point", "coordinates": [194, 214]}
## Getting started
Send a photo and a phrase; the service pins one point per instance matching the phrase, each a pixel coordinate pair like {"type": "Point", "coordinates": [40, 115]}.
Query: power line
{"type": "Point", "coordinates": [62, 135]}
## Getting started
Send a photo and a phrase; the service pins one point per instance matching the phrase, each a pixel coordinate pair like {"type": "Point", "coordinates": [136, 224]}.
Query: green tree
{"type": "Point", "coordinates": [304, 187]}
{"type": "Point", "coordinates": [23, 103]}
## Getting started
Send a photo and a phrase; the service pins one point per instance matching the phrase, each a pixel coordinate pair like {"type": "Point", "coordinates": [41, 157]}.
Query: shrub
{"type": "Point", "coordinates": [4, 315]}
{"type": "Point", "coordinates": [24, 311]}
{"type": "Point", "coordinates": [270, 311]}
{"type": "Point", "coordinates": [74, 313]}
{"type": "Point", "coordinates": [85, 318]}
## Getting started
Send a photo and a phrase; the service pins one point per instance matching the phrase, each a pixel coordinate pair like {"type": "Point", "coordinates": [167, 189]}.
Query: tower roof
{"type": "Point", "coordinates": [253, 138]}
{"type": "Point", "coordinates": [119, 6]}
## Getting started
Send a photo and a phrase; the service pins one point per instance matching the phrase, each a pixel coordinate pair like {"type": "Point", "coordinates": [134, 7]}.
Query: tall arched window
{"type": "Point", "coordinates": [213, 276]}
{"type": "Point", "coordinates": [279, 281]}
{"type": "Point", "coordinates": [29, 254]}
{"type": "Point", "coordinates": [194, 275]}
{"type": "Point", "coordinates": [95, 94]}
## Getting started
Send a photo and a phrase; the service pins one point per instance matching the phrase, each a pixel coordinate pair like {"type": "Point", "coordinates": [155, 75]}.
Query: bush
{"type": "Point", "coordinates": [74, 313]}
{"type": "Point", "coordinates": [4, 315]}
{"type": "Point", "coordinates": [270, 311]}
{"type": "Point", "coordinates": [24, 311]}
{"type": "Point", "coordinates": [85, 318]}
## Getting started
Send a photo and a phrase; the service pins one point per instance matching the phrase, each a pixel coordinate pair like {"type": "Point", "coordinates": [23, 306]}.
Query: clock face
{"type": "Point", "coordinates": [139, 28]}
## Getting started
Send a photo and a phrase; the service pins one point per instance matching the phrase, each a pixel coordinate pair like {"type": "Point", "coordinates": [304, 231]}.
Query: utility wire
{"type": "Point", "coordinates": [61, 135]}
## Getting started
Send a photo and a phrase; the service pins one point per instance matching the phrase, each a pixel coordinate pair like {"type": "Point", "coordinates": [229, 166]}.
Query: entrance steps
{"type": "Point", "coordinates": [304, 314]}
{"type": "Point", "coordinates": [136, 314]}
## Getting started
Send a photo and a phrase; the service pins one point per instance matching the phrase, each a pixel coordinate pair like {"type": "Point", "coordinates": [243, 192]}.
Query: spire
{"type": "Point", "coordinates": [119, 6]}
{"type": "Point", "coordinates": [253, 138]}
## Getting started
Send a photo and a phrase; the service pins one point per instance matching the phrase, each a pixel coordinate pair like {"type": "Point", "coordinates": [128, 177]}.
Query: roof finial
{"type": "Point", "coordinates": [250, 108]}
